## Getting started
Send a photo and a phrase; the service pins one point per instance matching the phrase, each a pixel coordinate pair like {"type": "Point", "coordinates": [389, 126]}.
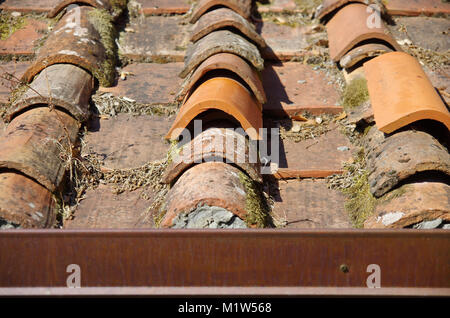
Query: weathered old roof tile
{"type": "Point", "coordinates": [211, 183]}
{"type": "Point", "coordinates": [225, 18]}
{"type": "Point", "coordinates": [79, 45]}
{"type": "Point", "coordinates": [410, 204]}
{"type": "Point", "coordinates": [230, 62]}
{"type": "Point", "coordinates": [61, 85]}
{"type": "Point", "coordinates": [350, 27]}
{"type": "Point", "coordinates": [25, 202]}
{"type": "Point", "coordinates": [216, 144]}
{"type": "Point", "coordinates": [392, 159]}
{"type": "Point", "coordinates": [38, 144]}
{"type": "Point", "coordinates": [222, 41]}
{"type": "Point", "coordinates": [243, 7]}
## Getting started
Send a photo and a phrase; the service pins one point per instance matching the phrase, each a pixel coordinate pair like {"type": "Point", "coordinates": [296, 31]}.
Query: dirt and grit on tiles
{"type": "Point", "coordinates": [236, 114]}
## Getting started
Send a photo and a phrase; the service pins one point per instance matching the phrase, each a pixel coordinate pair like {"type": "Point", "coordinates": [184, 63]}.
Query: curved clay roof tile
{"type": "Point", "coordinates": [211, 183]}
{"type": "Point", "coordinates": [222, 41]}
{"type": "Point", "coordinates": [25, 202]}
{"type": "Point", "coordinates": [70, 43]}
{"type": "Point", "coordinates": [401, 93]}
{"type": "Point", "coordinates": [243, 7]}
{"type": "Point", "coordinates": [350, 26]}
{"type": "Point", "coordinates": [225, 18]}
{"type": "Point", "coordinates": [223, 94]}
{"type": "Point", "coordinates": [34, 144]}
{"type": "Point", "coordinates": [214, 144]}
{"type": "Point", "coordinates": [62, 85]}
{"type": "Point", "coordinates": [228, 62]}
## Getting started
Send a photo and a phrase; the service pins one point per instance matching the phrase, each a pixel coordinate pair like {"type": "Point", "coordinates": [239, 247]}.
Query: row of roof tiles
{"type": "Point", "coordinates": [38, 145]}
{"type": "Point", "coordinates": [401, 95]}
{"type": "Point", "coordinates": [229, 182]}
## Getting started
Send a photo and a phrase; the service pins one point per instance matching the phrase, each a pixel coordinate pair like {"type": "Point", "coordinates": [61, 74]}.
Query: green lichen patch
{"type": "Point", "coordinates": [10, 24]}
{"type": "Point", "coordinates": [355, 93]}
{"type": "Point", "coordinates": [18, 91]}
{"type": "Point", "coordinates": [258, 211]}
{"type": "Point", "coordinates": [118, 6]}
{"type": "Point", "coordinates": [102, 21]}
{"type": "Point", "coordinates": [16, 87]}
{"type": "Point", "coordinates": [360, 203]}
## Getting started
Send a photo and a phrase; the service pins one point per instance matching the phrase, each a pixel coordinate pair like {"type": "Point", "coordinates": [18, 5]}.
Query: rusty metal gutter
{"type": "Point", "coordinates": [225, 262]}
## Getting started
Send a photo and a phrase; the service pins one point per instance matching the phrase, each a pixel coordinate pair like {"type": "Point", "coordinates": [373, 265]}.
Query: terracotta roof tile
{"type": "Point", "coordinates": [25, 202]}
{"type": "Point", "coordinates": [64, 86]}
{"type": "Point", "coordinates": [223, 94]}
{"type": "Point", "coordinates": [211, 183]}
{"type": "Point", "coordinates": [126, 141]}
{"type": "Point", "coordinates": [102, 4]}
{"type": "Point", "coordinates": [33, 143]}
{"type": "Point", "coordinates": [412, 204]}
{"type": "Point", "coordinates": [79, 45]}
{"type": "Point", "coordinates": [157, 7]}
{"type": "Point", "coordinates": [102, 208]}
{"type": "Point", "coordinates": [225, 61]}
{"type": "Point", "coordinates": [216, 144]}
{"type": "Point", "coordinates": [417, 7]}
{"type": "Point", "coordinates": [293, 88]}
{"type": "Point", "coordinates": [24, 40]}
{"type": "Point", "coordinates": [363, 52]}
{"type": "Point", "coordinates": [318, 157]}
{"type": "Point", "coordinates": [148, 83]}
{"type": "Point", "coordinates": [277, 6]}
{"type": "Point", "coordinates": [7, 69]}
{"type": "Point", "coordinates": [392, 159]}
{"type": "Point", "coordinates": [396, 79]}
{"type": "Point", "coordinates": [225, 18]}
{"type": "Point", "coordinates": [243, 7]}
{"type": "Point", "coordinates": [222, 41]}
{"type": "Point", "coordinates": [300, 204]}
{"type": "Point", "coordinates": [28, 6]}
{"type": "Point", "coordinates": [141, 43]}
{"type": "Point", "coordinates": [349, 27]}
{"type": "Point", "coordinates": [328, 6]}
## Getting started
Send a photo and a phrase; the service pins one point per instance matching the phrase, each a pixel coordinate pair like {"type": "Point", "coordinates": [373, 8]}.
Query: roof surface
{"type": "Point", "coordinates": [337, 167]}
